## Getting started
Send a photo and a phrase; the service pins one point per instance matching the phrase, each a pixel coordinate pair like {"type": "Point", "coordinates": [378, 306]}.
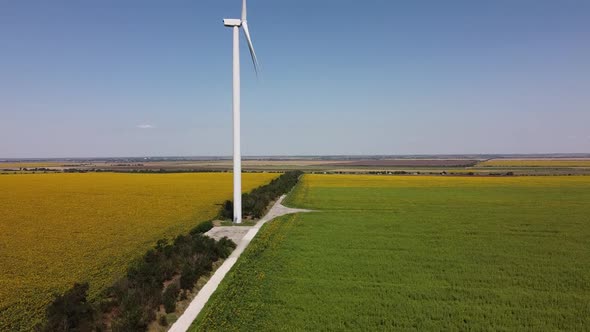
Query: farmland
{"type": "Point", "coordinates": [419, 253]}
{"type": "Point", "coordinates": [410, 163]}
{"type": "Point", "coordinates": [566, 162]}
{"type": "Point", "coordinates": [484, 165]}
{"type": "Point", "coordinates": [57, 229]}
{"type": "Point", "coordinates": [5, 165]}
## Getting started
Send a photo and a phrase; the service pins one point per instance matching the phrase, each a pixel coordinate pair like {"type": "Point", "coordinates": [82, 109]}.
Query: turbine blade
{"type": "Point", "coordinates": [244, 11]}
{"type": "Point", "coordinates": [251, 47]}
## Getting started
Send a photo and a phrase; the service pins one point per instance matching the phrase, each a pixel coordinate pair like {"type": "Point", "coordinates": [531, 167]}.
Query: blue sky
{"type": "Point", "coordinates": [143, 77]}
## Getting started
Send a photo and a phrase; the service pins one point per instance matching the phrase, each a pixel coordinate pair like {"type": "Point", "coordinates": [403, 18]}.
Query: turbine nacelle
{"type": "Point", "coordinates": [232, 22]}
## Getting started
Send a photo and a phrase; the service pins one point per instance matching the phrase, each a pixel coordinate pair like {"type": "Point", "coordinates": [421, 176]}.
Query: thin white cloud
{"type": "Point", "coordinates": [145, 126]}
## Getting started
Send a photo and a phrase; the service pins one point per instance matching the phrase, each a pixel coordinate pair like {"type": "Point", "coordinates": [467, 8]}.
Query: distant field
{"type": "Point", "coordinates": [411, 163]}
{"type": "Point", "coordinates": [519, 166]}
{"type": "Point", "coordinates": [253, 165]}
{"type": "Point", "coordinates": [416, 253]}
{"type": "Point", "coordinates": [56, 229]}
{"type": "Point", "coordinates": [536, 163]}
{"type": "Point", "coordinates": [4, 165]}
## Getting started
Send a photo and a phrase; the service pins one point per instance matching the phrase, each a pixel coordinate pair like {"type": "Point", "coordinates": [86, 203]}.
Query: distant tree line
{"type": "Point", "coordinates": [152, 171]}
{"type": "Point", "coordinates": [256, 202]}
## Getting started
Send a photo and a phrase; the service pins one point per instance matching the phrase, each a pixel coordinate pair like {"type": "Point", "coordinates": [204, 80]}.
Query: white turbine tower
{"type": "Point", "coordinates": [236, 24]}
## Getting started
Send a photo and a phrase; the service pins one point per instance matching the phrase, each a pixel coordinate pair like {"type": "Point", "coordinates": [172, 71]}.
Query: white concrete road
{"type": "Point", "coordinates": [246, 234]}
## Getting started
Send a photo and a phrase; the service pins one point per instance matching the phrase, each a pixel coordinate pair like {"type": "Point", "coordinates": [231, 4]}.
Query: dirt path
{"type": "Point", "coordinates": [242, 235]}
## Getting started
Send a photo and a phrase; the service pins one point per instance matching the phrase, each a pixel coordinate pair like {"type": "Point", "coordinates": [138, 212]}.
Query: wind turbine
{"type": "Point", "coordinates": [236, 24]}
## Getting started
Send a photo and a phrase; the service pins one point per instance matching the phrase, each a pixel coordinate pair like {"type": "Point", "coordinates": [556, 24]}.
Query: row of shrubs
{"type": "Point", "coordinates": [132, 302]}
{"type": "Point", "coordinates": [256, 202]}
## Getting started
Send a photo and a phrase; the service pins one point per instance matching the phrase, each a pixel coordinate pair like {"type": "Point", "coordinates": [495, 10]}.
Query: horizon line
{"type": "Point", "coordinates": [332, 156]}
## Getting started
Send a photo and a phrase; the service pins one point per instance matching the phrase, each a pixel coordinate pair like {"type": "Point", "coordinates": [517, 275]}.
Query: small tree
{"type": "Point", "coordinates": [169, 298]}
{"type": "Point", "coordinates": [71, 311]}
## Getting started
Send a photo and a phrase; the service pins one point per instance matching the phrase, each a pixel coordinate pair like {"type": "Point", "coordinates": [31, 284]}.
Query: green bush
{"type": "Point", "coordinates": [163, 320]}
{"type": "Point", "coordinates": [202, 228]}
{"type": "Point", "coordinates": [169, 298]}
{"type": "Point", "coordinates": [225, 247]}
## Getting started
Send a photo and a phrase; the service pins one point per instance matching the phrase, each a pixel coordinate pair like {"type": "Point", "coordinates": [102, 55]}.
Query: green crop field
{"type": "Point", "coordinates": [416, 253]}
